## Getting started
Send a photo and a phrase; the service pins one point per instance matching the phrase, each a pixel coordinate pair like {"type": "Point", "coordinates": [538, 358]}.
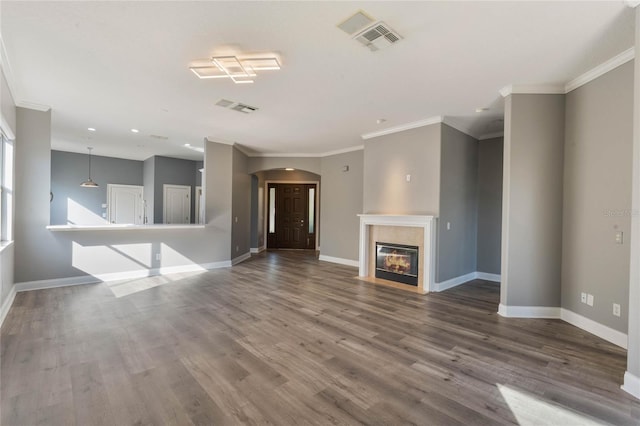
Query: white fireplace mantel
{"type": "Point", "coordinates": [427, 223]}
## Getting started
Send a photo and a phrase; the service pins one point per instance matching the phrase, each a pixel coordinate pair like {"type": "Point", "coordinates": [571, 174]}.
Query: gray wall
{"type": "Point", "coordinates": [340, 203]}
{"type": "Point", "coordinates": [633, 348]}
{"type": "Point", "coordinates": [489, 204]}
{"type": "Point", "coordinates": [172, 171]}
{"type": "Point", "coordinates": [148, 180]}
{"type": "Point", "coordinates": [387, 161]}
{"type": "Point", "coordinates": [41, 254]}
{"type": "Point", "coordinates": [532, 200]}
{"type": "Point", "coordinates": [69, 170]}
{"type": "Point", "coordinates": [456, 247]}
{"type": "Point", "coordinates": [597, 195]}
{"type": "Point", "coordinates": [241, 205]}
{"type": "Point", "coordinates": [256, 164]}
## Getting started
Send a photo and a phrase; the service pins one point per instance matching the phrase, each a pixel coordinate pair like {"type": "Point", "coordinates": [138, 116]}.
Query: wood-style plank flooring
{"type": "Point", "coordinates": [286, 339]}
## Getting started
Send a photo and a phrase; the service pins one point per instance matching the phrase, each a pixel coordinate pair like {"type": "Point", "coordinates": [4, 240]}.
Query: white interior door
{"type": "Point", "coordinates": [125, 204]}
{"type": "Point", "coordinates": [199, 206]}
{"type": "Point", "coordinates": [177, 204]}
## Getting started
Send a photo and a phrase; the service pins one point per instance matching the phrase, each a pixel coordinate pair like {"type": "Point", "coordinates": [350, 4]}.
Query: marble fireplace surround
{"type": "Point", "coordinates": [416, 230]}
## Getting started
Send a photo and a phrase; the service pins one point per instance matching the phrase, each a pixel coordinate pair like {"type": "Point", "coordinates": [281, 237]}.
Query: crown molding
{"type": "Point", "coordinates": [402, 127]}
{"type": "Point", "coordinates": [491, 136]}
{"type": "Point", "coordinates": [532, 89]}
{"type": "Point", "coordinates": [342, 151]}
{"type": "Point", "coordinates": [33, 105]}
{"type": "Point", "coordinates": [452, 122]}
{"type": "Point", "coordinates": [5, 65]}
{"type": "Point", "coordinates": [601, 69]}
{"type": "Point", "coordinates": [307, 155]}
{"type": "Point", "coordinates": [633, 3]}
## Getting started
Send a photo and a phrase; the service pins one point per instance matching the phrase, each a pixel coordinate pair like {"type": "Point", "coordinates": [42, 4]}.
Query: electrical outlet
{"type": "Point", "coordinates": [590, 299]}
{"type": "Point", "coordinates": [448, 226]}
{"type": "Point", "coordinates": [583, 297]}
{"type": "Point", "coordinates": [408, 177]}
{"type": "Point", "coordinates": [158, 256]}
{"type": "Point", "coordinates": [236, 219]}
{"type": "Point", "coordinates": [237, 249]}
{"type": "Point", "coordinates": [619, 237]}
{"type": "Point", "coordinates": [616, 309]}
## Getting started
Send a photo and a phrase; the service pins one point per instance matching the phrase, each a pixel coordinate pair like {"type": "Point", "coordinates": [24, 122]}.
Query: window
{"type": "Point", "coordinates": [312, 210]}
{"type": "Point", "coordinates": [6, 188]}
{"type": "Point", "coordinates": [272, 210]}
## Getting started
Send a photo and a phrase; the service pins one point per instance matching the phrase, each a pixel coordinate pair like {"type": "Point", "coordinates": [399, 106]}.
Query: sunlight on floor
{"type": "Point", "coordinates": [128, 287]}
{"type": "Point", "coordinates": [529, 409]}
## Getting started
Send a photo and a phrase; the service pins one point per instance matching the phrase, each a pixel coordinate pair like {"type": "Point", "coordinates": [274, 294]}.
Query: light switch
{"type": "Point", "coordinates": [590, 299]}
{"type": "Point", "coordinates": [448, 226]}
{"type": "Point", "coordinates": [619, 237]}
{"type": "Point", "coordinates": [408, 177]}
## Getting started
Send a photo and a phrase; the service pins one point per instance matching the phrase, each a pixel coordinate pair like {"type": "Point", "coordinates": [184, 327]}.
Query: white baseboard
{"type": "Point", "coordinates": [341, 261]}
{"type": "Point", "coordinates": [255, 250]}
{"type": "Point", "coordinates": [488, 277]}
{"type": "Point", "coordinates": [607, 333]}
{"type": "Point", "coordinates": [453, 282]}
{"type": "Point", "coordinates": [631, 384]}
{"type": "Point", "coordinates": [529, 311]}
{"type": "Point", "coordinates": [117, 276]}
{"type": "Point", "coordinates": [56, 282]}
{"type": "Point", "coordinates": [6, 305]}
{"type": "Point", "coordinates": [240, 258]}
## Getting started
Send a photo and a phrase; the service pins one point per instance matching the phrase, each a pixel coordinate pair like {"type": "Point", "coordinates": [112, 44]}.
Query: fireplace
{"type": "Point", "coordinates": [396, 262]}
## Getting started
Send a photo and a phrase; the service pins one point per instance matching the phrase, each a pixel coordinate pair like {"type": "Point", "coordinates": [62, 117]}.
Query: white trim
{"type": "Point", "coordinates": [402, 127]}
{"type": "Point", "coordinates": [452, 122]}
{"type": "Point", "coordinates": [6, 129]}
{"type": "Point", "coordinates": [32, 105]}
{"type": "Point", "coordinates": [600, 70]}
{"type": "Point", "coordinates": [631, 383]}
{"type": "Point", "coordinates": [529, 311]}
{"type": "Point", "coordinates": [5, 245]}
{"type": "Point", "coordinates": [600, 330]}
{"type": "Point", "coordinates": [56, 282]}
{"type": "Point", "coordinates": [532, 89]}
{"type": "Point", "coordinates": [339, 260]}
{"type": "Point", "coordinates": [240, 258]}
{"type": "Point", "coordinates": [488, 277]}
{"type": "Point", "coordinates": [633, 3]}
{"type": "Point", "coordinates": [491, 136]}
{"type": "Point", "coordinates": [306, 155]}
{"type": "Point", "coordinates": [256, 250]}
{"type": "Point", "coordinates": [6, 305]}
{"type": "Point", "coordinates": [453, 282]}
{"type": "Point", "coordinates": [116, 276]}
{"type": "Point", "coordinates": [117, 227]}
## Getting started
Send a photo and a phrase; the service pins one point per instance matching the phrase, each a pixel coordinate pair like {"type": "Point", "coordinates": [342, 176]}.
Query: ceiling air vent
{"type": "Point", "coordinates": [244, 108]}
{"type": "Point", "coordinates": [377, 36]}
{"type": "Point", "coordinates": [355, 22]}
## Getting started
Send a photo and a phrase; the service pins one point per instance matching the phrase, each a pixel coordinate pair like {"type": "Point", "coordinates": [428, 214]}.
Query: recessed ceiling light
{"type": "Point", "coordinates": [91, 129]}
{"type": "Point", "coordinates": [381, 120]}
{"type": "Point", "coordinates": [482, 109]}
{"type": "Point", "coordinates": [289, 169]}
{"type": "Point", "coordinates": [135, 130]}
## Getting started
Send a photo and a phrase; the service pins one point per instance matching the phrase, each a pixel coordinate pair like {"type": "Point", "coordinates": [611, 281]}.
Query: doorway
{"type": "Point", "coordinates": [125, 204]}
{"type": "Point", "coordinates": [291, 219]}
{"type": "Point", "coordinates": [176, 204]}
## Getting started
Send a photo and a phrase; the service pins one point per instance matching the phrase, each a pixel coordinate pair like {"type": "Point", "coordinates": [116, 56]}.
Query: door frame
{"type": "Point", "coordinates": [265, 207]}
{"type": "Point", "coordinates": [196, 205]}
{"type": "Point", "coordinates": [111, 186]}
{"type": "Point", "coordinates": [164, 198]}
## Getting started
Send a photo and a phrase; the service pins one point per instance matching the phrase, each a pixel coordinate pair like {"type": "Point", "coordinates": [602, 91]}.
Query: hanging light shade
{"type": "Point", "coordinates": [89, 183]}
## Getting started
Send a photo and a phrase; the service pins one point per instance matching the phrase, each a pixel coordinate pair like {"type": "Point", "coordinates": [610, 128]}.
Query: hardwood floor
{"type": "Point", "coordinates": [286, 339]}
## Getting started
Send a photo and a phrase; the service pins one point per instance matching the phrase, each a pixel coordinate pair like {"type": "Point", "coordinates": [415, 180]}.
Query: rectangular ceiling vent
{"type": "Point", "coordinates": [244, 108]}
{"type": "Point", "coordinates": [378, 36]}
{"type": "Point", "coordinates": [355, 22]}
{"type": "Point", "coordinates": [236, 106]}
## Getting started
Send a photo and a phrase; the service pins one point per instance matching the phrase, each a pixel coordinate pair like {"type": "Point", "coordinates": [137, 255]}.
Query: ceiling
{"type": "Point", "coordinates": [115, 66]}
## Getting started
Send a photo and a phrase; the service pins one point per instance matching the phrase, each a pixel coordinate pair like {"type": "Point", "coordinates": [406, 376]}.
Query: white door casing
{"type": "Point", "coordinates": [199, 210]}
{"type": "Point", "coordinates": [125, 204]}
{"type": "Point", "coordinates": [176, 204]}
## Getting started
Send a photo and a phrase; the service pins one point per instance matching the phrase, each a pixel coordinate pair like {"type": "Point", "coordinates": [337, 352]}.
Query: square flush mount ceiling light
{"type": "Point", "coordinates": [238, 70]}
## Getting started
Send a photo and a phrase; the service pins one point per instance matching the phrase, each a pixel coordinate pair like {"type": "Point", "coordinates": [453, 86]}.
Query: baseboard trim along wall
{"type": "Point", "coordinates": [256, 250]}
{"type": "Point", "coordinates": [631, 384]}
{"type": "Point", "coordinates": [453, 282]}
{"type": "Point", "coordinates": [549, 312]}
{"type": "Point", "coordinates": [4, 310]}
{"type": "Point", "coordinates": [240, 258]}
{"type": "Point", "coordinates": [341, 261]}
{"type": "Point", "coordinates": [127, 275]}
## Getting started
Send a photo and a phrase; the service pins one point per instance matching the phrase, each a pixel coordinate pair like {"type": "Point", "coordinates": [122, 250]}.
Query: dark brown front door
{"type": "Point", "coordinates": [291, 216]}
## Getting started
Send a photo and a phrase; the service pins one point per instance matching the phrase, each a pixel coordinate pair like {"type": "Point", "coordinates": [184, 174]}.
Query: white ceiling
{"type": "Point", "coordinates": [121, 65]}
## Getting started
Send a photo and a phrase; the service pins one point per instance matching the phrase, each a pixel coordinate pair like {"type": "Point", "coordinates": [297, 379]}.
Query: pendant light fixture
{"type": "Point", "coordinates": [89, 183]}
